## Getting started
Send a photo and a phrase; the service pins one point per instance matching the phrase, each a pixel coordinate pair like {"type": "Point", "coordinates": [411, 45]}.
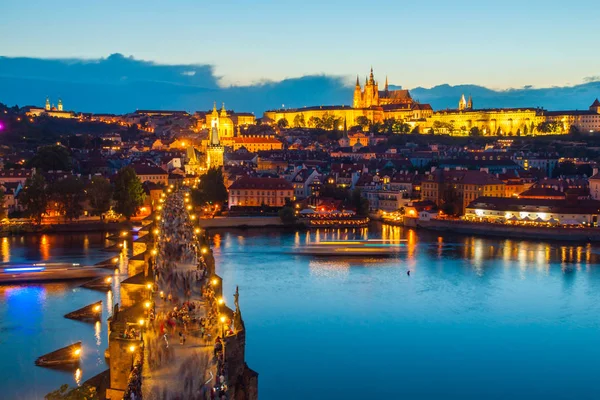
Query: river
{"type": "Point", "coordinates": [477, 318]}
{"type": "Point", "coordinates": [32, 319]}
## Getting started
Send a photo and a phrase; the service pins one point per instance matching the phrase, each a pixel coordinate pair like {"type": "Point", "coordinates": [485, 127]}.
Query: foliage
{"type": "Point", "coordinates": [69, 194]}
{"type": "Point", "coordinates": [51, 158]}
{"type": "Point", "coordinates": [474, 131]}
{"type": "Point", "coordinates": [442, 127]}
{"type": "Point", "coordinates": [129, 193]}
{"type": "Point", "coordinates": [283, 123]}
{"type": "Point", "coordinates": [359, 203]}
{"type": "Point", "coordinates": [211, 188]}
{"type": "Point", "coordinates": [65, 392]}
{"type": "Point", "coordinates": [2, 200]}
{"type": "Point", "coordinates": [328, 122]}
{"type": "Point", "coordinates": [287, 215]}
{"type": "Point", "coordinates": [451, 202]}
{"type": "Point", "coordinates": [363, 122]}
{"type": "Point", "coordinates": [34, 197]}
{"type": "Point", "coordinates": [549, 127]}
{"type": "Point", "coordinates": [299, 121]}
{"type": "Point", "coordinates": [99, 193]}
{"type": "Point", "coordinates": [401, 127]}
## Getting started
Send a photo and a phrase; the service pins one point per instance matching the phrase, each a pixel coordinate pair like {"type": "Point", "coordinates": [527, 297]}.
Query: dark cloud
{"type": "Point", "coordinates": [119, 84]}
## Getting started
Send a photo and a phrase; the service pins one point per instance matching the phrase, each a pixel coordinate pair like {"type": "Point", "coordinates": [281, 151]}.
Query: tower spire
{"type": "Point", "coordinates": [386, 84]}
{"type": "Point", "coordinates": [357, 83]}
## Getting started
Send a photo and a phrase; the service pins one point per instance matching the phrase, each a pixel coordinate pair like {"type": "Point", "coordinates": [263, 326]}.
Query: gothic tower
{"type": "Point", "coordinates": [357, 103]}
{"type": "Point", "coordinates": [60, 105]}
{"type": "Point", "coordinates": [47, 104]}
{"type": "Point", "coordinates": [470, 103]}
{"type": "Point", "coordinates": [214, 150]}
{"type": "Point", "coordinates": [462, 104]}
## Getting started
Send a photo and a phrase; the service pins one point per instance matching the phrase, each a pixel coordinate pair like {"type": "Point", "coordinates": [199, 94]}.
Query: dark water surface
{"type": "Point", "coordinates": [477, 319]}
{"type": "Point", "coordinates": [31, 316]}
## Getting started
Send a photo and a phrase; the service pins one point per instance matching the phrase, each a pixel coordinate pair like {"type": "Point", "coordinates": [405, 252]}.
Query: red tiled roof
{"type": "Point", "coordinates": [248, 182]}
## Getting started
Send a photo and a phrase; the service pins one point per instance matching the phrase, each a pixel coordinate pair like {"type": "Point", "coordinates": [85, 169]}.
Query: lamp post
{"type": "Point", "coordinates": [132, 350]}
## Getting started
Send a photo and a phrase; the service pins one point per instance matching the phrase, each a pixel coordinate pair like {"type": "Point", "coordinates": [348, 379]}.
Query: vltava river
{"type": "Point", "coordinates": [32, 319]}
{"type": "Point", "coordinates": [477, 318]}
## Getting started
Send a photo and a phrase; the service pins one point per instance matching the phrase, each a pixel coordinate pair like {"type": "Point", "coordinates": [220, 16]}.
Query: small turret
{"type": "Point", "coordinates": [47, 107]}
{"type": "Point", "coordinates": [60, 105]}
{"type": "Point", "coordinates": [371, 77]}
{"type": "Point", "coordinates": [386, 84]}
{"type": "Point", "coordinates": [357, 83]}
{"type": "Point", "coordinates": [223, 111]}
{"type": "Point", "coordinates": [595, 107]}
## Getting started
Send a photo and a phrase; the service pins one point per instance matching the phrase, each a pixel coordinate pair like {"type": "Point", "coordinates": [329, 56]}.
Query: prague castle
{"type": "Point", "coordinates": [378, 105]}
{"type": "Point", "coordinates": [370, 102]}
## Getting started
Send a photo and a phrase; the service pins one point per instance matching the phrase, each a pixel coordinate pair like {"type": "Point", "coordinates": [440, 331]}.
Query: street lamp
{"type": "Point", "coordinates": [132, 350]}
{"type": "Point", "coordinates": [214, 282]}
{"type": "Point", "coordinates": [223, 327]}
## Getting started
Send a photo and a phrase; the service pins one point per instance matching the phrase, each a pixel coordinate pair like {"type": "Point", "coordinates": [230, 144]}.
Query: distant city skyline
{"type": "Point", "coordinates": [510, 45]}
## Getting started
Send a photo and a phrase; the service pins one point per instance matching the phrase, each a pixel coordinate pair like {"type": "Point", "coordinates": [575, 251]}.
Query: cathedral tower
{"type": "Point", "coordinates": [60, 105]}
{"type": "Point", "coordinates": [462, 104]}
{"type": "Point", "coordinates": [214, 150]}
{"type": "Point", "coordinates": [357, 103]}
{"type": "Point", "coordinates": [47, 104]}
{"type": "Point", "coordinates": [470, 103]}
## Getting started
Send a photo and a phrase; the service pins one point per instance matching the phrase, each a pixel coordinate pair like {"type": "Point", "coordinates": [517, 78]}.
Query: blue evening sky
{"type": "Point", "coordinates": [416, 43]}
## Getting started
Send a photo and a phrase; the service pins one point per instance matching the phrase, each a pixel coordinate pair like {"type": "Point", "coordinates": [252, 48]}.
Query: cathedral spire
{"type": "Point", "coordinates": [386, 84]}
{"type": "Point", "coordinates": [371, 77]}
{"type": "Point", "coordinates": [215, 106]}
{"type": "Point", "coordinates": [223, 111]}
{"type": "Point", "coordinates": [357, 82]}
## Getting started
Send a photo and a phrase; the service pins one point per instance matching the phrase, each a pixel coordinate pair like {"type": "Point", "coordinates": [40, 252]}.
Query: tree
{"type": "Point", "coordinates": [34, 197]}
{"type": "Point", "coordinates": [314, 122]}
{"type": "Point", "coordinates": [129, 193]}
{"type": "Point", "coordinates": [401, 127]}
{"type": "Point", "coordinates": [2, 200]}
{"type": "Point", "coordinates": [525, 130]}
{"type": "Point", "coordinates": [287, 215]}
{"type": "Point", "coordinates": [84, 392]}
{"type": "Point", "coordinates": [299, 121]}
{"type": "Point", "coordinates": [283, 123]}
{"type": "Point", "coordinates": [474, 131]}
{"type": "Point", "coordinates": [211, 188]}
{"type": "Point", "coordinates": [51, 158]}
{"type": "Point", "coordinates": [99, 193]}
{"type": "Point", "coordinates": [69, 194]}
{"type": "Point", "coordinates": [359, 203]}
{"type": "Point", "coordinates": [363, 122]}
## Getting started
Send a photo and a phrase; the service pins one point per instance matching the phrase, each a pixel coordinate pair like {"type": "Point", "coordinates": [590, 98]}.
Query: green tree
{"type": "Point", "coordinates": [283, 123]}
{"type": "Point", "coordinates": [299, 121]}
{"type": "Point", "coordinates": [69, 194]}
{"type": "Point", "coordinates": [99, 193]}
{"type": "Point", "coordinates": [363, 122]}
{"type": "Point", "coordinates": [525, 130]}
{"type": "Point", "coordinates": [401, 127]}
{"type": "Point", "coordinates": [211, 188]}
{"type": "Point", "coordinates": [51, 158]}
{"type": "Point", "coordinates": [34, 197]}
{"type": "Point", "coordinates": [129, 193]}
{"type": "Point", "coordinates": [287, 215]}
{"type": "Point", "coordinates": [84, 392]}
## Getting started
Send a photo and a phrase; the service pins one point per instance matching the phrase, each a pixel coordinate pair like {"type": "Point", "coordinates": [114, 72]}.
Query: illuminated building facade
{"type": "Point", "coordinates": [254, 192]}
{"type": "Point", "coordinates": [215, 150]}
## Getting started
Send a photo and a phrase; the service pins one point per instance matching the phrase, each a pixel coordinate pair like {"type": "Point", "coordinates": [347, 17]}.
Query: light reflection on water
{"type": "Point", "coordinates": [32, 319]}
{"type": "Point", "coordinates": [475, 316]}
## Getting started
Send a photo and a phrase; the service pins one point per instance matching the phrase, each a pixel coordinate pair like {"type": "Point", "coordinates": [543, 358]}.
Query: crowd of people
{"type": "Point", "coordinates": [187, 306]}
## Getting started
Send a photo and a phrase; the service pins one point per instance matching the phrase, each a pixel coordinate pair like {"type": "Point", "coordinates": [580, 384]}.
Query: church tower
{"type": "Point", "coordinates": [462, 104]}
{"type": "Point", "coordinates": [60, 105]}
{"type": "Point", "coordinates": [47, 107]}
{"type": "Point", "coordinates": [357, 103]}
{"type": "Point", "coordinates": [470, 103]}
{"type": "Point", "coordinates": [345, 140]}
{"type": "Point", "coordinates": [214, 150]}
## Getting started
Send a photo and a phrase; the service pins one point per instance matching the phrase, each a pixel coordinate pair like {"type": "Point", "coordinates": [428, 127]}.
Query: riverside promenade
{"type": "Point", "coordinates": [177, 339]}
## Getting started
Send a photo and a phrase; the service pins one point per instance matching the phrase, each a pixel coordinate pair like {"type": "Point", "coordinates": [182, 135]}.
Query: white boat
{"type": "Point", "coordinates": [347, 248]}
{"type": "Point", "coordinates": [12, 273]}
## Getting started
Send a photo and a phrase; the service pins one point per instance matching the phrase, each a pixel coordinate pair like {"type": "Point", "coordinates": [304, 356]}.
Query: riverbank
{"type": "Point", "coordinates": [502, 230]}
{"type": "Point", "coordinates": [74, 227]}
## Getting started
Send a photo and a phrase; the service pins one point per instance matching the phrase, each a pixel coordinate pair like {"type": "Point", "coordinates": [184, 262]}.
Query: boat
{"type": "Point", "coordinates": [67, 356]}
{"type": "Point", "coordinates": [23, 273]}
{"type": "Point", "coordinates": [345, 248]}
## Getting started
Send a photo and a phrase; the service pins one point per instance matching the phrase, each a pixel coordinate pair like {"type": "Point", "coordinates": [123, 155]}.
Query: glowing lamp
{"type": "Point", "coordinates": [141, 322]}
{"type": "Point", "coordinates": [77, 352]}
{"type": "Point", "coordinates": [108, 279]}
{"type": "Point", "coordinates": [214, 282]}
{"type": "Point", "coordinates": [221, 301]}
{"type": "Point", "coordinates": [97, 308]}
{"type": "Point", "coordinates": [131, 349]}
{"type": "Point", "coordinates": [223, 319]}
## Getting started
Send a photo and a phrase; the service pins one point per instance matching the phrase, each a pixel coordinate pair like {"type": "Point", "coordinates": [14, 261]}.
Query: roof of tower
{"type": "Point", "coordinates": [596, 103]}
{"type": "Point", "coordinates": [357, 83]}
{"type": "Point", "coordinates": [386, 83]}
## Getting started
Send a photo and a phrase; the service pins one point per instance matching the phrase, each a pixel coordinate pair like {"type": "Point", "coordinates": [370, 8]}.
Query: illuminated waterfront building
{"type": "Point", "coordinates": [254, 192]}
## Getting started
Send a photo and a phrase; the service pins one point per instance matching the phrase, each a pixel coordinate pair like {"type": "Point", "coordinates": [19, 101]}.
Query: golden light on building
{"type": "Point", "coordinates": [214, 282]}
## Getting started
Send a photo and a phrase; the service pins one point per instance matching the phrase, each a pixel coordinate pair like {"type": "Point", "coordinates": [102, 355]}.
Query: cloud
{"type": "Point", "coordinates": [595, 78]}
{"type": "Point", "coordinates": [121, 84]}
